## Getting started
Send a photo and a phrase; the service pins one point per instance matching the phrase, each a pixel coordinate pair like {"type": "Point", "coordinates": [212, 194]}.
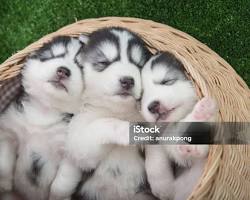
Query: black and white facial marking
{"type": "Point", "coordinates": [113, 58]}
{"type": "Point", "coordinates": [53, 74]}
{"type": "Point", "coordinates": [55, 49]}
{"type": "Point", "coordinates": [168, 94]}
{"type": "Point", "coordinates": [110, 45]}
{"type": "Point", "coordinates": [173, 69]}
{"type": "Point", "coordinates": [34, 173]}
{"type": "Point", "coordinates": [59, 47]}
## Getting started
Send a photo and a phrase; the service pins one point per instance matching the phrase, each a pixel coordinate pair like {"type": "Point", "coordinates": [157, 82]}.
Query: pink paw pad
{"type": "Point", "coordinates": [188, 150]}
{"type": "Point", "coordinates": [204, 109]}
{"type": "Point", "coordinates": [193, 150]}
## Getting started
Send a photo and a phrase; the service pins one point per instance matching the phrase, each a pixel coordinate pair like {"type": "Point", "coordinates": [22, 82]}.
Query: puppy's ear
{"type": "Point", "coordinates": [83, 39]}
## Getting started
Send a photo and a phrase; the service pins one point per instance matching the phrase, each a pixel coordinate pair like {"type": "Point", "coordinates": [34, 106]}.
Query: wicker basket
{"type": "Point", "coordinates": [227, 172]}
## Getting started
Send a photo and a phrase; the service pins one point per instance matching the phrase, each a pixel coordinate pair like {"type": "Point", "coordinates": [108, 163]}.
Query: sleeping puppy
{"type": "Point", "coordinates": [170, 97]}
{"type": "Point", "coordinates": [97, 138]}
{"type": "Point", "coordinates": [34, 126]}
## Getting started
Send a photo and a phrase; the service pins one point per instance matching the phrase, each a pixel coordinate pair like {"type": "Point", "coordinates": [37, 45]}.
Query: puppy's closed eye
{"type": "Point", "coordinates": [101, 65]}
{"type": "Point", "coordinates": [167, 82]}
{"type": "Point", "coordinates": [104, 63]}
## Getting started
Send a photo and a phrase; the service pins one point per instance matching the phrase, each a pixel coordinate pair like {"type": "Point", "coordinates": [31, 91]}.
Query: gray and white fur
{"type": "Point", "coordinates": [33, 128]}
{"type": "Point", "coordinates": [98, 137]}
{"type": "Point", "coordinates": [170, 97]}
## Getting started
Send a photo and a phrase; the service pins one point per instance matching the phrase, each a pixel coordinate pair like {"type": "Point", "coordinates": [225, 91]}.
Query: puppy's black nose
{"type": "Point", "coordinates": [63, 72]}
{"type": "Point", "coordinates": [154, 107]}
{"type": "Point", "coordinates": [127, 82]}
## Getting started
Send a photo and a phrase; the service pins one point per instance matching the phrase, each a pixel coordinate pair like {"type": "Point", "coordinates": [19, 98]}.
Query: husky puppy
{"type": "Point", "coordinates": [170, 97]}
{"type": "Point", "coordinates": [34, 127]}
{"type": "Point", "coordinates": [112, 59]}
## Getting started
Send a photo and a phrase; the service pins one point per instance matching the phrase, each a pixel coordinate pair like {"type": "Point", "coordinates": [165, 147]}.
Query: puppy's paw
{"type": "Point", "coordinates": [5, 184]}
{"type": "Point", "coordinates": [119, 131]}
{"type": "Point", "coordinates": [124, 133]}
{"type": "Point", "coordinates": [163, 189]}
{"type": "Point", "coordinates": [195, 151]}
{"type": "Point", "coordinates": [205, 109]}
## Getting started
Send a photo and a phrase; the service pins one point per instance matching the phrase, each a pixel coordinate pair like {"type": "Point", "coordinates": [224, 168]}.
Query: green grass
{"type": "Point", "coordinates": [221, 24]}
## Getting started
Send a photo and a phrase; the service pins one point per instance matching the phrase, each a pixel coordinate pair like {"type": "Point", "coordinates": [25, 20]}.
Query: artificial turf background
{"type": "Point", "coordinates": [224, 25]}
